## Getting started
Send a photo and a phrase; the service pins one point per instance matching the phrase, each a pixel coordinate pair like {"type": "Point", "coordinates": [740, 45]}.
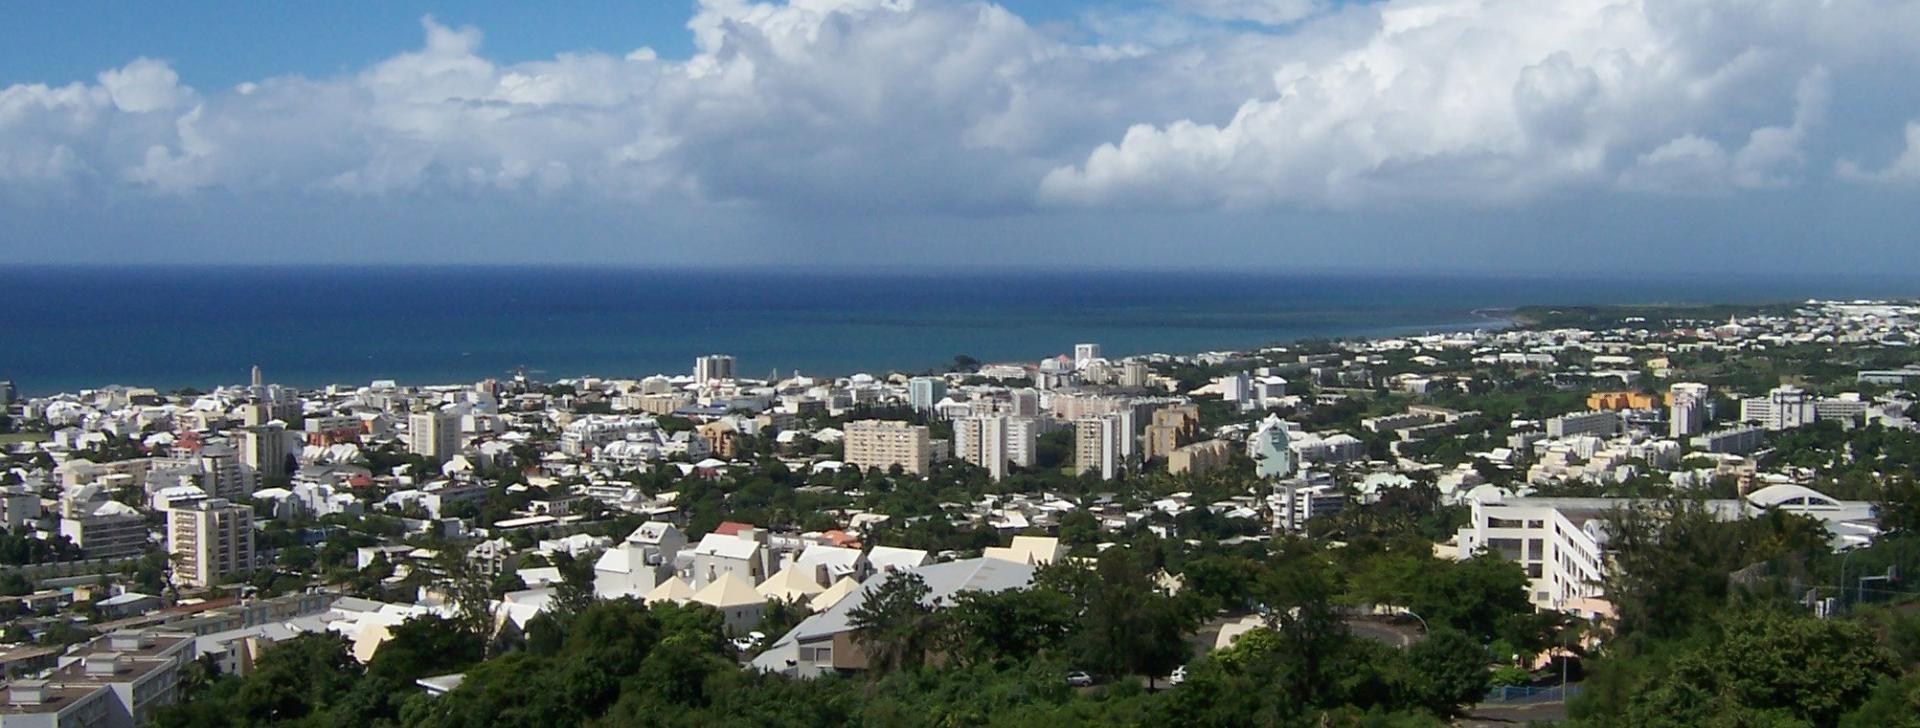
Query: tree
{"type": "Point", "coordinates": [470, 591]}
{"type": "Point", "coordinates": [1003, 627]}
{"type": "Point", "coordinates": [1763, 663]}
{"type": "Point", "coordinates": [295, 679]}
{"type": "Point", "coordinates": [1452, 671]}
{"type": "Point", "coordinates": [892, 624]}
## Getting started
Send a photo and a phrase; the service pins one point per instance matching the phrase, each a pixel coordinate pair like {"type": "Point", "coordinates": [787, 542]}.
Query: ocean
{"type": "Point", "coordinates": [68, 328]}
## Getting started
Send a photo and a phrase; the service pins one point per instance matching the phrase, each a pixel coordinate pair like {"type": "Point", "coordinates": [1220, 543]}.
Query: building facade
{"type": "Point", "coordinates": [883, 444]}
{"type": "Point", "coordinates": [209, 540]}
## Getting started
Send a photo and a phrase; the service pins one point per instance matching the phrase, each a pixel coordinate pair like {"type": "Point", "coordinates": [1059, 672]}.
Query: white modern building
{"type": "Point", "coordinates": [1687, 414]}
{"type": "Point", "coordinates": [1561, 542]}
{"type": "Point", "coordinates": [712, 368]}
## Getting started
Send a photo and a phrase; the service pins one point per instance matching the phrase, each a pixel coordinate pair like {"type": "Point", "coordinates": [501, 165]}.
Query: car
{"type": "Point", "coordinates": [1079, 679]}
{"type": "Point", "coordinates": [1179, 675]}
{"type": "Point", "coordinates": [748, 642]}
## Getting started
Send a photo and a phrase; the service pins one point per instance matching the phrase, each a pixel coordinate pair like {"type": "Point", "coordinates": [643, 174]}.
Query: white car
{"type": "Point", "coordinates": [748, 642]}
{"type": "Point", "coordinates": [1079, 679]}
{"type": "Point", "coordinates": [1179, 675]}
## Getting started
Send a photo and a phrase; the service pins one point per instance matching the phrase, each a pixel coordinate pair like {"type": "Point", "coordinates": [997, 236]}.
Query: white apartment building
{"type": "Point", "coordinates": [1783, 408]}
{"type": "Point", "coordinates": [885, 443]}
{"type": "Point", "coordinates": [209, 540]}
{"type": "Point", "coordinates": [994, 442]}
{"type": "Point", "coordinates": [1598, 423]}
{"type": "Point", "coordinates": [1688, 409]}
{"type": "Point", "coordinates": [435, 435]}
{"type": "Point", "coordinates": [711, 368]}
{"type": "Point", "coordinates": [925, 392]}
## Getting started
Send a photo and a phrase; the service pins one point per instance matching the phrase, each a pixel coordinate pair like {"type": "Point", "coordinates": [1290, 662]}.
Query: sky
{"type": "Point", "coordinates": [1713, 137]}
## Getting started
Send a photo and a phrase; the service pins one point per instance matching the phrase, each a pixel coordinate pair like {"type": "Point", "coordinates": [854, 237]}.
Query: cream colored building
{"type": "Point", "coordinates": [209, 541]}
{"type": "Point", "coordinates": [885, 443]}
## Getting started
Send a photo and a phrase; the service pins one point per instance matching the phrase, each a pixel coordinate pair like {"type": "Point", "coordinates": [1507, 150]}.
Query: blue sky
{"type": "Point", "coordinates": [1480, 135]}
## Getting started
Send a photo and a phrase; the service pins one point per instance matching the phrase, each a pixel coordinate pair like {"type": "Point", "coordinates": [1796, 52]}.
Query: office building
{"type": "Point", "coordinates": [209, 541]}
{"type": "Point", "coordinates": [712, 368]}
{"type": "Point", "coordinates": [1024, 402]}
{"type": "Point", "coordinates": [1133, 374]}
{"type": "Point", "coordinates": [1561, 542]}
{"type": "Point", "coordinates": [1687, 415]}
{"type": "Point", "coordinates": [7, 392]}
{"type": "Point", "coordinates": [883, 444]}
{"type": "Point", "coordinates": [1098, 446]}
{"type": "Point", "coordinates": [434, 435]}
{"type": "Point", "coordinates": [925, 392]}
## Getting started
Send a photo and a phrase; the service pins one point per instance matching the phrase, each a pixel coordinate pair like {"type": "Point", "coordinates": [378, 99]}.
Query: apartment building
{"type": "Point", "coordinates": [1171, 428]}
{"type": "Point", "coordinates": [1687, 415]}
{"type": "Point", "coordinates": [434, 435]}
{"type": "Point", "coordinates": [1598, 423]}
{"type": "Point", "coordinates": [116, 681]}
{"type": "Point", "coordinates": [885, 443]}
{"type": "Point", "coordinates": [1099, 446]}
{"type": "Point", "coordinates": [995, 442]}
{"type": "Point", "coordinates": [925, 392]}
{"type": "Point", "coordinates": [1200, 457]}
{"type": "Point", "coordinates": [209, 540]}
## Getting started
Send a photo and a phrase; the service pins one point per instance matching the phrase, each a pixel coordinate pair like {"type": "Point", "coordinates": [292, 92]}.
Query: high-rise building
{"type": "Point", "coordinates": [1097, 445]}
{"type": "Point", "coordinates": [1784, 408]}
{"type": "Point", "coordinates": [885, 443]}
{"type": "Point", "coordinates": [1172, 428]}
{"type": "Point", "coordinates": [1271, 450]}
{"type": "Point", "coordinates": [209, 540]}
{"type": "Point", "coordinates": [7, 393]}
{"type": "Point", "coordinates": [996, 441]}
{"type": "Point", "coordinates": [1688, 413]}
{"type": "Point", "coordinates": [434, 434]}
{"type": "Point", "coordinates": [1133, 374]}
{"type": "Point", "coordinates": [925, 392]}
{"type": "Point", "coordinates": [1084, 354]}
{"type": "Point", "coordinates": [263, 450]}
{"type": "Point", "coordinates": [712, 367]}
{"type": "Point", "coordinates": [1024, 402]}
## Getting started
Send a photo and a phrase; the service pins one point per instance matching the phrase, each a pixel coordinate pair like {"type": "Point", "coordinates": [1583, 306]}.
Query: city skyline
{"type": "Point", "coordinates": [1206, 134]}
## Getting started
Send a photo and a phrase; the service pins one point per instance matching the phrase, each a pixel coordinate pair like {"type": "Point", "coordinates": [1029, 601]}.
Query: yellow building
{"type": "Point", "coordinates": [1614, 401]}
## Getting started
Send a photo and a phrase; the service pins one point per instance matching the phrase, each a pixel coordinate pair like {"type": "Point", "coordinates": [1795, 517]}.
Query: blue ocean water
{"type": "Point", "coordinates": [66, 328]}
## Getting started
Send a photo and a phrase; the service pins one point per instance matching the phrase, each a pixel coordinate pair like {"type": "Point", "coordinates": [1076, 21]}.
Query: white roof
{"type": "Point", "coordinates": [731, 547]}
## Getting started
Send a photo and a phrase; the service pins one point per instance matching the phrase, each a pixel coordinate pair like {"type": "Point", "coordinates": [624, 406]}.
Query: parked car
{"type": "Point", "coordinates": [1179, 675]}
{"type": "Point", "coordinates": [749, 641]}
{"type": "Point", "coordinates": [1079, 679]}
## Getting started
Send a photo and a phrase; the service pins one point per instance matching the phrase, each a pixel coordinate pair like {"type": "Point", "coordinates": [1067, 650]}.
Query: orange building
{"type": "Point", "coordinates": [1621, 401]}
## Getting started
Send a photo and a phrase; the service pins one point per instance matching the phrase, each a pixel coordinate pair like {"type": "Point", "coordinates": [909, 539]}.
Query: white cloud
{"type": "Point", "coordinates": [1500, 101]}
{"type": "Point", "coordinates": [1269, 12]}
{"type": "Point", "coordinates": [957, 105]}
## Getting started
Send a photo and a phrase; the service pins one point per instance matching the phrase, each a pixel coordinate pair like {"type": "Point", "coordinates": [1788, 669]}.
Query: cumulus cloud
{"type": "Point", "coordinates": [1506, 100]}
{"type": "Point", "coordinates": [962, 106]}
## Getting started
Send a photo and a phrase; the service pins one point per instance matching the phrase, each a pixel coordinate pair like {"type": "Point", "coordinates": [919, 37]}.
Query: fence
{"type": "Point", "coordinates": [1530, 694]}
